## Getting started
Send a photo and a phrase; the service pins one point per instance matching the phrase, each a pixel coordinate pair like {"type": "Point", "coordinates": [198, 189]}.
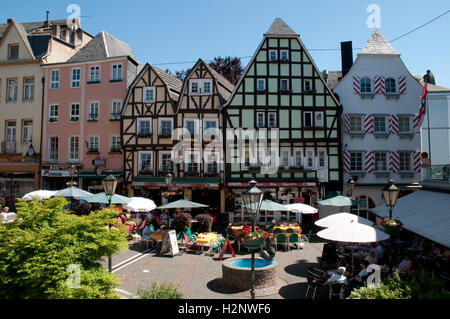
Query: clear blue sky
{"type": "Point", "coordinates": [183, 31]}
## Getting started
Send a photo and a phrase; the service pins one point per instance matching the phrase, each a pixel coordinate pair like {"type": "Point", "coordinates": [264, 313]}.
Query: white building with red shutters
{"type": "Point", "coordinates": [380, 100]}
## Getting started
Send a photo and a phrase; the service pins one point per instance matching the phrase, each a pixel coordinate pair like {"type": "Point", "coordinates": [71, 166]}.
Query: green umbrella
{"type": "Point", "coordinates": [338, 201]}
{"type": "Point", "coordinates": [272, 206]}
{"type": "Point", "coordinates": [102, 198]}
{"type": "Point", "coordinates": [182, 204]}
{"type": "Point", "coordinates": [72, 192]}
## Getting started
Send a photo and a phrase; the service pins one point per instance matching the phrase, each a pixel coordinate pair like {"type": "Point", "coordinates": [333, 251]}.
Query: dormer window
{"type": "Point", "coordinates": [13, 52]}
{"type": "Point", "coordinates": [207, 87]}
{"type": "Point", "coordinates": [366, 86]}
{"type": "Point", "coordinates": [194, 87]}
{"type": "Point", "coordinates": [149, 94]}
{"type": "Point", "coordinates": [273, 55]}
{"type": "Point", "coordinates": [200, 86]}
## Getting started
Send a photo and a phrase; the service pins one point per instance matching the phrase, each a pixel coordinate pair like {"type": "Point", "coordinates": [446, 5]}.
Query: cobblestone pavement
{"type": "Point", "coordinates": [198, 276]}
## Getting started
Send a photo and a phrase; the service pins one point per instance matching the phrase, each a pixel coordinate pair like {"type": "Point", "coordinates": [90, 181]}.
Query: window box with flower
{"type": "Point", "coordinates": [390, 225]}
{"type": "Point", "coordinates": [251, 239]}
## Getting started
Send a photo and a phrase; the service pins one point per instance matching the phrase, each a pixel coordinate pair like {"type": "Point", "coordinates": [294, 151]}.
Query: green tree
{"type": "Point", "coordinates": [38, 249]}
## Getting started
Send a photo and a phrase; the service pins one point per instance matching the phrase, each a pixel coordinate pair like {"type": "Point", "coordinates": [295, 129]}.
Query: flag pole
{"type": "Point", "coordinates": [428, 124]}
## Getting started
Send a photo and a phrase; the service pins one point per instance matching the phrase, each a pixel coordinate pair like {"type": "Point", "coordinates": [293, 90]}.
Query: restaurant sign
{"type": "Point", "coordinates": [55, 171]}
{"type": "Point", "coordinates": [273, 184]}
{"type": "Point", "coordinates": [176, 184]}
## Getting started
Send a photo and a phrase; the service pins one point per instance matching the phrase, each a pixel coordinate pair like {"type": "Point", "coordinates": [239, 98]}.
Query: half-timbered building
{"type": "Point", "coordinates": [147, 120]}
{"type": "Point", "coordinates": [282, 90]}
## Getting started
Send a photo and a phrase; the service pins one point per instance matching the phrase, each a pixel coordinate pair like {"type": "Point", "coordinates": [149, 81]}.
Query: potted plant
{"type": "Point", "coordinates": [391, 225]}
{"type": "Point", "coordinates": [72, 184]}
{"type": "Point", "coordinates": [181, 221]}
{"type": "Point", "coordinates": [252, 239]}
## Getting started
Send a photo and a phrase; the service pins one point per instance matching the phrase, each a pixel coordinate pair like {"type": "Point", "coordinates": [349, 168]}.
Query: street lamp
{"type": "Point", "coordinates": [351, 186]}
{"type": "Point", "coordinates": [109, 185]}
{"type": "Point", "coordinates": [168, 178]}
{"type": "Point", "coordinates": [390, 196]}
{"type": "Point", "coordinates": [72, 172]}
{"type": "Point", "coordinates": [253, 198]}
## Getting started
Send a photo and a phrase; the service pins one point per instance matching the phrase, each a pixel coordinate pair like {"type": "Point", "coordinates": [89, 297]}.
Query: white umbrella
{"type": "Point", "coordinates": [353, 233]}
{"type": "Point", "coordinates": [39, 194]}
{"type": "Point", "coordinates": [301, 208]}
{"type": "Point", "coordinates": [342, 218]}
{"type": "Point", "coordinates": [140, 204]}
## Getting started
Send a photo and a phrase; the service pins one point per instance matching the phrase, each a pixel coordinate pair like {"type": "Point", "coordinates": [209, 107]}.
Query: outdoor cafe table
{"type": "Point", "coordinates": [158, 235]}
{"type": "Point", "coordinates": [236, 228]}
{"type": "Point", "coordinates": [284, 229]}
{"type": "Point", "coordinates": [205, 238]}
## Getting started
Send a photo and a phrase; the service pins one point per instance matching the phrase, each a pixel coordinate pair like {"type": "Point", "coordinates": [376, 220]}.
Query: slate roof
{"type": "Point", "coordinates": [39, 44]}
{"type": "Point", "coordinates": [32, 26]}
{"type": "Point", "coordinates": [172, 82]}
{"type": "Point", "coordinates": [333, 78]}
{"type": "Point", "coordinates": [431, 87]}
{"type": "Point", "coordinates": [280, 28]}
{"type": "Point", "coordinates": [102, 46]}
{"type": "Point", "coordinates": [229, 87]}
{"type": "Point", "coordinates": [377, 44]}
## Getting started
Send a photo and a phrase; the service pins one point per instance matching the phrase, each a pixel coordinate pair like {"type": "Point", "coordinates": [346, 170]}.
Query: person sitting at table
{"type": "Point", "coordinates": [405, 266]}
{"type": "Point", "coordinates": [378, 249]}
{"type": "Point", "coordinates": [338, 278]}
{"type": "Point", "coordinates": [372, 257]}
{"type": "Point", "coordinates": [357, 280]}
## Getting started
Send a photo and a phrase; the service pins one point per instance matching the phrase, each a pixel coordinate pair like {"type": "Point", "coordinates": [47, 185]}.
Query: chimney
{"type": "Point", "coordinates": [346, 56]}
{"type": "Point", "coordinates": [47, 21]}
{"type": "Point", "coordinates": [325, 76]}
{"type": "Point", "coordinates": [9, 21]}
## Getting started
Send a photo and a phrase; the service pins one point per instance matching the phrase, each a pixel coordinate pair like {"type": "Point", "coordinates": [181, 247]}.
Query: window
{"type": "Point", "coordinates": [115, 144]}
{"type": "Point", "coordinates": [210, 124]}
{"type": "Point", "coordinates": [116, 72]}
{"type": "Point", "coordinates": [165, 127]}
{"type": "Point", "coordinates": [144, 127]}
{"type": "Point", "coordinates": [28, 89]}
{"type": "Point", "coordinates": [298, 155]}
{"type": "Point", "coordinates": [272, 55]}
{"type": "Point", "coordinates": [74, 112]}
{"type": "Point", "coordinates": [307, 85]}
{"type": "Point", "coordinates": [390, 86]}
{"type": "Point", "coordinates": [285, 158]}
{"type": "Point", "coordinates": [54, 79]}
{"type": "Point", "coordinates": [307, 119]}
{"type": "Point", "coordinates": [194, 87]}
{"type": "Point", "coordinates": [27, 131]}
{"type": "Point", "coordinates": [93, 111]}
{"type": "Point", "coordinates": [10, 132]}
{"type": "Point", "coordinates": [211, 166]}
{"type": "Point", "coordinates": [381, 161]}
{"type": "Point", "coordinates": [13, 52]}
{"type": "Point", "coordinates": [284, 55]}
{"type": "Point", "coordinates": [355, 123]}
{"type": "Point", "coordinates": [145, 162]}
{"type": "Point", "coordinates": [404, 124]}
{"type": "Point", "coordinates": [192, 165]}
{"type": "Point", "coordinates": [272, 119]}
{"type": "Point", "coordinates": [261, 85]}
{"type": "Point", "coordinates": [191, 126]}
{"type": "Point", "coordinates": [53, 149]}
{"type": "Point", "coordinates": [366, 86]}
{"type": "Point", "coordinates": [356, 162]}
{"type": "Point", "coordinates": [405, 161]}
{"type": "Point", "coordinates": [165, 162]}
{"type": "Point", "coordinates": [149, 94]}
{"type": "Point", "coordinates": [116, 107]}
{"type": "Point", "coordinates": [12, 90]}
{"type": "Point", "coordinates": [260, 121]}
{"type": "Point", "coordinates": [94, 74]}
{"type": "Point", "coordinates": [53, 113]}
{"type": "Point", "coordinates": [379, 124]}
{"type": "Point", "coordinates": [310, 158]}
{"type": "Point", "coordinates": [322, 158]}
{"type": "Point", "coordinates": [207, 87]}
{"type": "Point", "coordinates": [284, 85]}
{"type": "Point", "coordinates": [93, 144]}
{"type": "Point", "coordinates": [318, 119]}
{"type": "Point", "coordinates": [74, 143]}
{"type": "Point", "coordinates": [76, 78]}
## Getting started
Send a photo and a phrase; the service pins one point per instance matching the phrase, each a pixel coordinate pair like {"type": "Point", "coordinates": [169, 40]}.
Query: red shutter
{"type": "Point", "coordinates": [369, 160]}
{"type": "Point", "coordinates": [347, 160]}
{"type": "Point", "coordinates": [394, 162]}
{"type": "Point", "coordinates": [356, 84]}
{"type": "Point", "coordinates": [379, 85]}
{"type": "Point", "coordinates": [369, 124]}
{"type": "Point", "coordinates": [402, 84]}
{"type": "Point", "coordinates": [393, 124]}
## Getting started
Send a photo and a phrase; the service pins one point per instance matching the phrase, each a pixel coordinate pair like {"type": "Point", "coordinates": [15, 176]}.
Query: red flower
{"type": "Point", "coordinates": [42, 207]}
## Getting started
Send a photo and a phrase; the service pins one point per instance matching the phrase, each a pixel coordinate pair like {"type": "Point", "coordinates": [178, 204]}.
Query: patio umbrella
{"type": "Point", "coordinates": [301, 208]}
{"type": "Point", "coordinates": [39, 194]}
{"type": "Point", "coordinates": [353, 233]}
{"type": "Point", "coordinates": [338, 201]}
{"type": "Point", "coordinates": [272, 206]}
{"type": "Point", "coordinates": [140, 204]}
{"type": "Point", "coordinates": [341, 218]}
{"type": "Point", "coordinates": [182, 203]}
{"type": "Point", "coordinates": [72, 192]}
{"type": "Point", "coordinates": [103, 199]}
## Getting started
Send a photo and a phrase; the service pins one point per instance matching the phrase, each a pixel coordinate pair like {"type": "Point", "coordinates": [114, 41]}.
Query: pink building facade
{"type": "Point", "coordinates": [81, 117]}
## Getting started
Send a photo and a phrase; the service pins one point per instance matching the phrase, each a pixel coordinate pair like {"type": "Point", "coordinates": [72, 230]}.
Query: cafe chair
{"type": "Point", "coordinates": [314, 281]}
{"type": "Point", "coordinates": [293, 239]}
{"type": "Point", "coordinates": [281, 239]}
{"type": "Point", "coordinates": [289, 230]}
{"type": "Point", "coordinates": [277, 231]}
{"type": "Point", "coordinates": [337, 289]}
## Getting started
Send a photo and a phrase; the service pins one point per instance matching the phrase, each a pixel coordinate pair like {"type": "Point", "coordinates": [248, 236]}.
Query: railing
{"type": "Point", "coordinates": [9, 147]}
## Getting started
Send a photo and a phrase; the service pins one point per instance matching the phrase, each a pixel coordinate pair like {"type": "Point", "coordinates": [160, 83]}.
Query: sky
{"type": "Point", "coordinates": [165, 33]}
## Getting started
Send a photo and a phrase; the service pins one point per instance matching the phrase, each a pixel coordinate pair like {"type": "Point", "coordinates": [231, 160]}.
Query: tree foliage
{"type": "Point", "coordinates": [230, 68]}
{"type": "Point", "coordinates": [38, 248]}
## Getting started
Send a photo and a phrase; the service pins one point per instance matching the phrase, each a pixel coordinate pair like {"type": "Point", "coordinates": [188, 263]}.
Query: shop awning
{"type": "Point", "coordinates": [424, 212]}
{"type": "Point", "coordinates": [177, 182]}
{"type": "Point", "coordinates": [266, 183]}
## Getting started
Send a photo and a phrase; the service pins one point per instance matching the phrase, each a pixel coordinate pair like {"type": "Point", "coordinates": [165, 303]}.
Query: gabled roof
{"type": "Point", "coordinates": [39, 43]}
{"type": "Point", "coordinates": [172, 82]}
{"type": "Point", "coordinates": [377, 44]}
{"type": "Point", "coordinates": [280, 28]}
{"type": "Point", "coordinates": [101, 47]}
{"type": "Point", "coordinates": [432, 88]}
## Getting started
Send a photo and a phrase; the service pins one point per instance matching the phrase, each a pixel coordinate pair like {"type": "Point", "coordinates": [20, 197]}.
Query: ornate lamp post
{"type": "Point", "coordinates": [390, 196]}
{"type": "Point", "coordinates": [109, 185]}
{"type": "Point", "coordinates": [72, 172]}
{"type": "Point", "coordinates": [253, 198]}
{"type": "Point", "coordinates": [351, 186]}
{"type": "Point", "coordinates": [168, 179]}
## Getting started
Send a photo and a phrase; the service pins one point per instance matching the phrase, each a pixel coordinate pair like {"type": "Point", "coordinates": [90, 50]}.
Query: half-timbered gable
{"type": "Point", "coordinates": [152, 97]}
{"type": "Point", "coordinates": [282, 89]}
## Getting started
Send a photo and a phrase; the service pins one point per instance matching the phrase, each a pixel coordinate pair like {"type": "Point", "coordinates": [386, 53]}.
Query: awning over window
{"type": "Point", "coordinates": [424, 212]}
